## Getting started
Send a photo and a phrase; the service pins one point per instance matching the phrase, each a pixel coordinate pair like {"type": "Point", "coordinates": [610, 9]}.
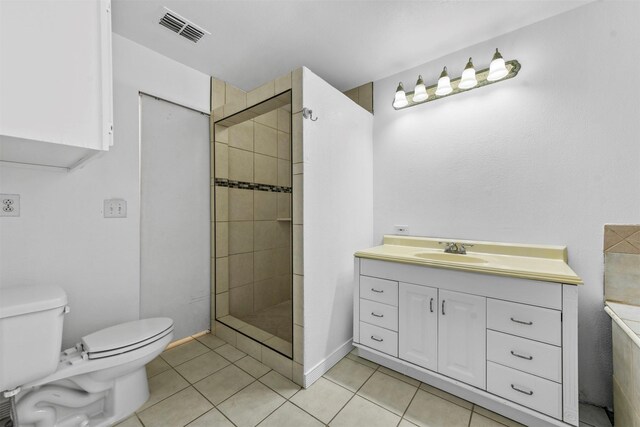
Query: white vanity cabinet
{"type": "Point", "coordinates": [418, 321]}
{"type": "Point", "coordinates": [443, 331]}
{"type": "Point", "coordinates": [462, 337]}
{"type": "Point", "coordinates": [506, 343]}
{"type": "Point", "coordinates": [56, 81]}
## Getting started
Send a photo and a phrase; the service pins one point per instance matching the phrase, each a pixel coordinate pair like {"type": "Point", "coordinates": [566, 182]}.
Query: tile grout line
{"type": "Point", "coordinates": [354, 393]}
{"type": "Point", "coordinates": [409, 405]}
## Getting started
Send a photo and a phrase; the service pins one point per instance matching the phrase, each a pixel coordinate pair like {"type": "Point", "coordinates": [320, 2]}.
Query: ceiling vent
{"type": "Point", "coordinates": [182, 26]}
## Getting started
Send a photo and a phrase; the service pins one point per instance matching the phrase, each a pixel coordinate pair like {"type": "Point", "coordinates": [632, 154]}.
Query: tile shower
{"type": "Point", "coordinates": [251, 189]}
{"type": "Point", "coordinates": [318, 172]}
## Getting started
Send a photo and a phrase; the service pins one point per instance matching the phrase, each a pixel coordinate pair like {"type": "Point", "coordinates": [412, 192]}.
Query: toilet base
{"type": "Point", "coordinates": [57, 404]}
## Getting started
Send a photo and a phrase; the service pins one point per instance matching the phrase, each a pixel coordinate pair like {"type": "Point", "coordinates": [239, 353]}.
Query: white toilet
{"type": "Point", "coordinates": [99, 382]}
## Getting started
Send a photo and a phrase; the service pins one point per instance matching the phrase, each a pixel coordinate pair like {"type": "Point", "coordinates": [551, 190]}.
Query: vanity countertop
{"type": "Point", "coordinates": [536, 262]}
{"type": "Point", "coordinates": [627, 316]}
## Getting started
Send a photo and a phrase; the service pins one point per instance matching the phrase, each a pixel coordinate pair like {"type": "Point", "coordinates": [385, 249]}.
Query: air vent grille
{"type": "Point", "coordinates": [182, 26]}
{"type": "Point", "coordinates": [5, 409]}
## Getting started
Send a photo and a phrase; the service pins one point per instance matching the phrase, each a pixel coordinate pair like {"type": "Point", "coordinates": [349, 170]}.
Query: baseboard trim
{"type": "Point", "coordinates": [327, 363]}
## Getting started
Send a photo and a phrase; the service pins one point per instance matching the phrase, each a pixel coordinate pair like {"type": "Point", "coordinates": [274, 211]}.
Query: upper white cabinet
{"type": "Point", "coordinates": [55, 81]}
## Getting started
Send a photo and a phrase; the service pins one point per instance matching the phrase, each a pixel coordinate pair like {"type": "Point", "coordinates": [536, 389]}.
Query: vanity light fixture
{"type": "Point", "coordinates": [401, 97]}
{"type": "Point", "coordinates": [468, 77]}
{"type": "Point", "coordinates": [420, 92]}
{"type": "Point", "coordinates": [498, 70]}
{"type": "Point", "coordinates": [444, 84]}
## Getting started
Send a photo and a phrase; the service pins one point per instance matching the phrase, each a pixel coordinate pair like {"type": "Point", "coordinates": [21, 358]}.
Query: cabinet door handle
{"type": "Point", "coordinates": [373, 313]}
{"type": "Point", "coordinates": [528, 393]}
{"type": "Point", "coordinates": [375, 338]}
{"type": "Point", "coordinates": [431, 305]}
{"type": "Point", "coordinates": [378, 291]}
{"type": "Point", "coordinates": [522, 322]}
{"type": "Point", "coordinates": [521, 356]}
{"type": "Point", "coordinates": [443, 307]}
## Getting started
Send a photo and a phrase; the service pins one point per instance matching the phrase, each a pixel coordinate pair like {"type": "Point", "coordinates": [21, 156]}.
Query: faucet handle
{"type": "Point", "coordinates": [450, 247]}
{"type": "Point", "coordinates": [463, 247]}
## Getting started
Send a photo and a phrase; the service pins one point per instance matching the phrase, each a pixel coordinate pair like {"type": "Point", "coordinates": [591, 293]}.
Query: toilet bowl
{"type": "Point", "coordinates": [98, 382]}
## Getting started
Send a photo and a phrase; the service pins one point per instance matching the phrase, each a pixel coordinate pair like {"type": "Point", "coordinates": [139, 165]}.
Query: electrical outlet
{"type": "Point", "coordinates": [10, 205]}
{"type": "Point", "coordinates": [401, 229]}
{"type": "Point", "coordinates": [115, 208]}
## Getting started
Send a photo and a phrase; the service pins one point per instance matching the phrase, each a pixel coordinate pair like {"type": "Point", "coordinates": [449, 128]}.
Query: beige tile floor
{"type": "Point", "coordinates": [207, 382]}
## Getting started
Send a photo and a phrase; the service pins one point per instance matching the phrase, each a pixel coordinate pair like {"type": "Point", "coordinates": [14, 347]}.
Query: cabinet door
{"type": "Point", "coordinates": [418, 325]}
{"type": "Point", "coordinates": [56, 81]}
{"type": "Point", "coordinates": [462, 337]}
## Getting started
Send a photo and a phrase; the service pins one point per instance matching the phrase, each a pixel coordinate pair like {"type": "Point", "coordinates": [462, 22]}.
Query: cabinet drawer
{"type": "Point", "coordinates": [528, 390]}
{"type": "Point", "coordinates": [536, 323]}
{"type": "Point", "coordinates": [380, 290]}
{"type": "Point", "coordinates": [379, 314]}
{"type": "Point", "coordinates": [534, 357]}
{"type": "Point", "coordinates": [379, 338]}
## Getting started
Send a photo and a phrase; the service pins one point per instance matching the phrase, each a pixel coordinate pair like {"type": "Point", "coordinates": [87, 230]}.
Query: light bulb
{"type": "Point", "coordinates": [468, 79]}
{"type": "Point", "coordinates": [400, 98]}
{"type": "Point", "coordinates": [497, 68]}
{"type": "Point", "coordinates": [420, 92]}
{"type": "Point", "coordinates": [444, 84]}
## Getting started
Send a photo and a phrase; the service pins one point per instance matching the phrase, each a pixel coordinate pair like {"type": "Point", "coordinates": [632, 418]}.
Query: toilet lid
{"type": "Point", "coordinates": [126, 337]}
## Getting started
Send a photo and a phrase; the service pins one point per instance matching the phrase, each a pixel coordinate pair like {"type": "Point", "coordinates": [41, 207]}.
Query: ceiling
{"type": "Point", "coordinates": [347, 43]}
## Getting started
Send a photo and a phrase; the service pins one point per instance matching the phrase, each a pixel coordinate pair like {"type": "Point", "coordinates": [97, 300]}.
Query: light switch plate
{"type": "Point", "coordinates": [9, 205]}
{"type": "Point", "coordinates": [115, 208]}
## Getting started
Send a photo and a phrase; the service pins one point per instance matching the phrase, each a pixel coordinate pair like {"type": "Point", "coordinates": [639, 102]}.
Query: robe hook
{"type": "Point", "coordinates": [308, 114]}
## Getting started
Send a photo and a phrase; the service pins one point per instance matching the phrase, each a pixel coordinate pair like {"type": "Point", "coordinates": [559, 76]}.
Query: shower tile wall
{"type": "Point", "coordinates": [362, 95]}
{"type": "Point", "coordinates": [258, 151]}
{"type": "Point", "coordinates": [227, 100]}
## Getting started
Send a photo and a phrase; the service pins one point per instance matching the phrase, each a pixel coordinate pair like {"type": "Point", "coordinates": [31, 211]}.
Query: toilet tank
{"type": "Point", "coordinates": [31, 320]}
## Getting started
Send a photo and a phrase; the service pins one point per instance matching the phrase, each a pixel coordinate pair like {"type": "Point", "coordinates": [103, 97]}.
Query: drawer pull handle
{"type": "Point", "coordinates": [378, 291]}
{"type": "Point", "coordinates": [373, 313]}
{"type": "Point", "coordinates": [528, 393]}
{"type": "Point", "coordinates": [521, 356]}
{"type": "Point", "coordinates": [443, 307]}
{"type": "Point", "coordinates": [431, 305]}
{"type": "Point", "coordinates": [522, 322]}
{"type": "Point", "coordinates": [375, 338]}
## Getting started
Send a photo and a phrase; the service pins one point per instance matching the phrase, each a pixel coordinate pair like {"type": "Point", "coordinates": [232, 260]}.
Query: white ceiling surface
{"type": "Point", "coordinates": [348, 43]}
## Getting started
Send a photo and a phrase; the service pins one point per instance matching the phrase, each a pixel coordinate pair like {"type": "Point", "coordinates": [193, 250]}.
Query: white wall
{"type": "Point", "coordinates": [61, 237]}
{"type": "Point", "coordinates": [337, 211]}
{"type": "Point", "coordinates": [548, 157]}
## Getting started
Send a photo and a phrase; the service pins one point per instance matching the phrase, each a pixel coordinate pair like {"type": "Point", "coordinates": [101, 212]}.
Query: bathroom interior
{"type": "Point", "coordinates": [239, 216]}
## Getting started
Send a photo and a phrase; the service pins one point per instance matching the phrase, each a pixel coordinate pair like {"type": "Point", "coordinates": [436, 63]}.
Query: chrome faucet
{"type": "Point", "coordinates": [455, 248]}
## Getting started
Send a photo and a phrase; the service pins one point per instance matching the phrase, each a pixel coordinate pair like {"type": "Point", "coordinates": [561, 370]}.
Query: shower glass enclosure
{"type": "Point", "coordinates": [252, 222]}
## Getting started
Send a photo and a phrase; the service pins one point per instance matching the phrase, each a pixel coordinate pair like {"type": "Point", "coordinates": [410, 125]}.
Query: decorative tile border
{"type": "Point", "coordinates": [223, 182]}
{"type": "Point", "coordinates": [622, 239]}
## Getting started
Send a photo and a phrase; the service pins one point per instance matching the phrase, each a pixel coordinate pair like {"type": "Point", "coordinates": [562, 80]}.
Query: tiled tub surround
{"type": "Point", "coordinates": [622, 263]}
{"type": "Point", "coordinates": [251, 185]}
{"type": "Point", "coordinates": [622, 295]}
{"type": "Point", "coordinates": [506, 340]}
{"type": "Point", "coordinates": [625, 324]}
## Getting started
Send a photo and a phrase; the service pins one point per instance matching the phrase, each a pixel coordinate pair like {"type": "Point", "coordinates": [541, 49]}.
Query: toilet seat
{"type": "Point", "coordinates": [125, 337]}
{"type": "Point", "coordinates": [109, 350]}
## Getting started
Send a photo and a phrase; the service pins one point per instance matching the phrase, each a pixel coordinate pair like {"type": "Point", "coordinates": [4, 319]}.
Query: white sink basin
{"type": "Point", "coordinates": [466, 259]}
